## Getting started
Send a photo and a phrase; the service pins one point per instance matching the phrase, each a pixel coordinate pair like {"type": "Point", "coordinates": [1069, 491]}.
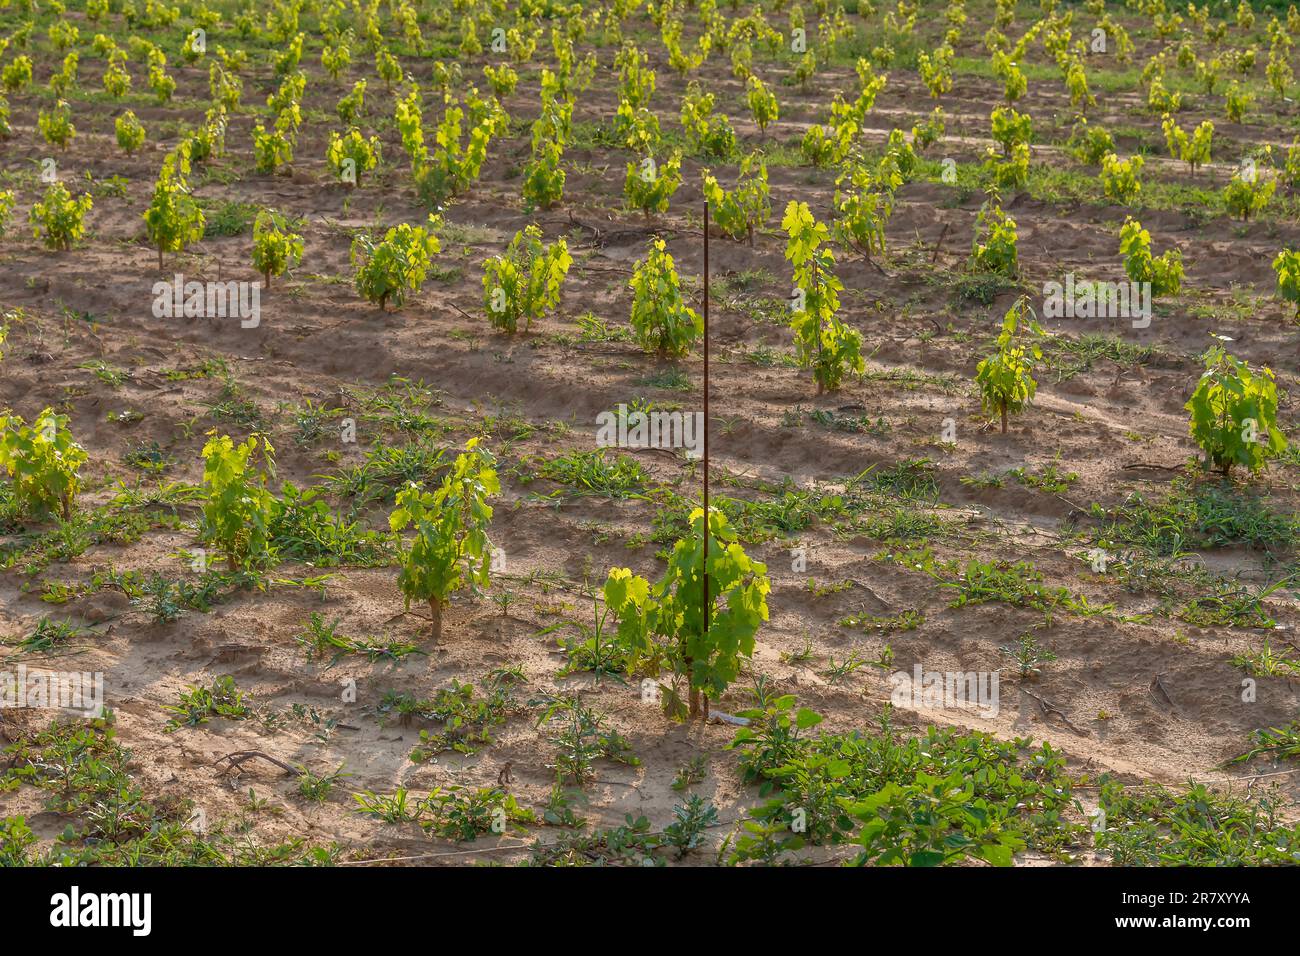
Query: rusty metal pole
{"type": "Point", "coordinates": [707, 609]}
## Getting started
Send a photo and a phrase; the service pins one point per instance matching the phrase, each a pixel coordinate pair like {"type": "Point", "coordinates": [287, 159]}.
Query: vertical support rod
{"type": "Point", "coordinates": [707, 609]}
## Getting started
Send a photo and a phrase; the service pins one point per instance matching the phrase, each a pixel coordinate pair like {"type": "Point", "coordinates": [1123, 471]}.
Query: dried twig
{"type": "Point", "coordinates": [934, 256]}
{"type": "Point", "coordinates": [461, 311]}
{"type": "Point", "coordinates": [596, 233]}
{"type": "Point", "coordinates": [1135, 465]}
{"type": "Point", "coordinates": [1158, 685]}
{"type": "Point", "coordinates": [241, 757]}
{"type": "Point", "coordinates": [1049, 708]}
{"type": "Point", "coordinates": [878, 267]}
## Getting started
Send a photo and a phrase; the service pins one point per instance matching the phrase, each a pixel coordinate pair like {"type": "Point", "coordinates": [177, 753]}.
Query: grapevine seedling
{"type": "Point", "coordinates": [762, 103]}
{"type": "Point", "coordinates": [739, 212]}
{"type": "Point", "coordinates": [1287, 267]}
{"type": "Point", "coordinates": [936, 71]}
{"type": "Point", "coordinates": [1119, 177]}
{"type": "Point", "coordinates": [501, 79]}
{"type": "Point", "coordinates": [173, 219]}
{"type": "Point", "coordinates": [995, 245]}
{"type": "Point", "coordinates": [1163, 272]}
{"type": "Point", "coordinates": [56, 125]}
{"type": "Point", "coordinates": [544, 177]}
{"type": "Point", "coordinates": [525, 281]}
{"type": "Point", "coordinates": [1193, 150]}
{"type": "Point", "coordinates": [1248, 192]}
{"type": "Point", "coordinates": [237, 504]}
{"type": "Point", "coordinates": [275, 248]}
{"type": "Point", "coordinates": [43, 462]}
{"type": "Point", "coordinates": [351, 154]}
{"type": "Point", "coordinates": [352, 107]}
{"type": "Point", "coordinates": [1011, 129]}
{"type": "Point", "coordinates": [667, 623]}
{"type": "Point", "coordinates": [450, 549]}
{"type": "Point", "coordinates": [864, 200]}
{"type": "Point", "coordinates": [1234, 413]}
{"type": "Point", "coordinates": [664, 323]}
{"type": "Point", "coordinates": [1090, 144]}
{"type": "Point", "coordinates": [821, 339]}
{"type": "Point", "coordinates": [129, 131]}
{"type": "Point", "coordinates": [388, 270]}
{"type": "Point", "coordinates": [17, 74]}
{"type": "Point", "coordinates": [58, 218]}
{"type": "Point", "coordinates": [1005, 378]}
{"type": "Point", "coordinates": [648, 186]}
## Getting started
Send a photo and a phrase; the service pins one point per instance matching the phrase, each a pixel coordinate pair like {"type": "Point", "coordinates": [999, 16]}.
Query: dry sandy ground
{"type": "Point", "coordinates": [317, 340]}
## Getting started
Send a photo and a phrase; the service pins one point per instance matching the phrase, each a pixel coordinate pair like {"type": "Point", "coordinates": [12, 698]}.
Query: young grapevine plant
{"type": "Point", "coordinates": [649, 186]}
{"type": "Point", "coordinates": [58, 219]}
{"type": "Point", "coordinates": [129, 131]}
{"type": "Point", "coordinates": [387, 270]}
{"type": "Point", "coordinates": [56, 125]}
{"type": "Point", "coordinates": [739, 212]}
{"type": "Point", "coordinates": [1234, 413]}
{"type": "Point", "coordinates": [173, 219]}
{"type": "Point", "coordinates": [1248, 192]}
{"type": "Point", "coordinates": [525, 281]}
{"type": "Point", "coordinates": [275, 248]}
{"type": "Point", "coordinates": [1119, 177]}
{"type": "Point", "coordinates": [43, 462]}
{"type": "Point", "coordinates": [544, 177]}
{"type": "Point", "coordinates": [864, 201]}
{"type": "Point", "coordinates": [1091, 144]}
{"type": "Point", "coordinates": [994, 250]}
{"type": "Point", "coordinates": [1287, 267]}
{"type": "Point", "coordinates": [1005, 378]}
{"type": "Point", "coordinates": [671, 623]}
{"type": "Point", "coordinates": [1194, 150]}
{"type": "Point", "coordinates": [821, 339]}
{"type": "Point", "coordinates": [1164, 272]}
{"type": "Point", "coordinates": [237, 504]}
{"type": "Point", "coordinates": [350, 154]}
{"type": "Point", "coordinates": [762, 103]}
{"type": "Point", "coordinates": [663, 322]}
{"type": "Point", "coordinates": [450, 549]}
{"type": "Point", "coordinates": [455, 160]}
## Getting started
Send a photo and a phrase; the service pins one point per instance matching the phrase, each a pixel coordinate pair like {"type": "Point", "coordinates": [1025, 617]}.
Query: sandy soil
{"type": "Point", "coordinates": [539, 394]}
